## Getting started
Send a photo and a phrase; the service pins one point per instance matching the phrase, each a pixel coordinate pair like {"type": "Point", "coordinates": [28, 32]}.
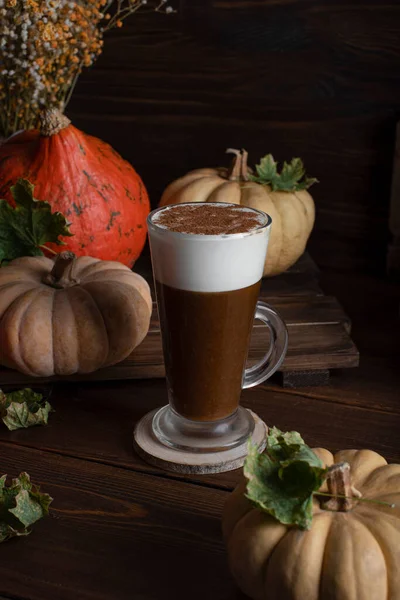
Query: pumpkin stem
{"type": "Point", "coordinates": [343, 494]}
{"type": "Point", "coordinates": [52, 121]}
{"type": "Point", "coordinates": [234, 171]}
{"type": "Point", "coordinates": [62, 274]}
{"type": "Point", "coordinates": [238, 170]}
{"type": "Point", "coordinates": [244, 169]}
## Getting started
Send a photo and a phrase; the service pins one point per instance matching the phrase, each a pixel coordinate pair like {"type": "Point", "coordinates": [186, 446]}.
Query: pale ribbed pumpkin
{"type": "Point", "coordinates": [292, 212]}
{"type": "Point", "coordinates": [351, 552]}
{"type": "Point", "coordinates": [74, 315]}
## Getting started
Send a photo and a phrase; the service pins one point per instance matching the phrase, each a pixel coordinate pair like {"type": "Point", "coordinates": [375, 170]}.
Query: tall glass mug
{"type": "Point", "coordinates": [207, 289]}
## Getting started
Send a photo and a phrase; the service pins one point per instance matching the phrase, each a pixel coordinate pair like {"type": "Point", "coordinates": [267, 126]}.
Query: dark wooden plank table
{"type": "Point", "coordinates": [120, 529]}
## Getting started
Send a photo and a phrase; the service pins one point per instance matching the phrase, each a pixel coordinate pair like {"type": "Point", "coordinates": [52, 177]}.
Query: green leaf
{"type": "Point", "coordinates": [292, 178]}
{"type": "Point", "coordinates": [7, 532]}
{"type": "Point", "coordinates": [21, 505]}
{"type": "Point", "coordinates": [281, 481]}
{"type": "Point", "coordinates": [29, 225]}
{"type": "Point", "coordinates": [267, 169]}
{"type": "Point", "coordinates": [23, 409]}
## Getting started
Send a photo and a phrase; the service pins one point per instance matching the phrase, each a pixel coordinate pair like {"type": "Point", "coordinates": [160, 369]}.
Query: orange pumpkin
{"type": "Point", "coordinates": [99, 193]}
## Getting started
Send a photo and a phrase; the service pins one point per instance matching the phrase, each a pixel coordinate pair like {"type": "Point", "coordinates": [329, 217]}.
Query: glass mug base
{"type": "Point", "coordinates": [179, 433]}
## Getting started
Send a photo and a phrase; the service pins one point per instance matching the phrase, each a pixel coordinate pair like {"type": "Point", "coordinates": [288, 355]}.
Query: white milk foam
{"type": "Point", "coordinates": [207, 263]}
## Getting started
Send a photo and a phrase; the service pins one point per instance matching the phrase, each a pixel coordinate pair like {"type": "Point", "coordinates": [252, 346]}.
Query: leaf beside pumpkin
{"type": "Point", "coordinates": [23, 408]}
{"type": "Point", "coordinates": [28, 226]}
{"type": "Point", "coordinates": [292, 177]}
{"type": "Point", "coordinates": [282, 480]}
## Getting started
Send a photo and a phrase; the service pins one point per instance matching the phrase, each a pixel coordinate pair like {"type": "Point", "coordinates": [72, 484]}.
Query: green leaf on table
{"type": "Point", "coordinates": [282, 480]}
{"type": "Point", "coordinates": [28, 226]}
{"type": "Point", "coordinates": [21, 505]}
{"type": "Point", "coordinates": [23, 409]}
{"type": "Point", "coordinates": [292, 177]}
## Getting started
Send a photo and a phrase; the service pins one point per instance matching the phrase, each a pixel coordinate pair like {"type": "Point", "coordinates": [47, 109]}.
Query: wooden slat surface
{"type": "Point", "coordinates": [107, 527]}
{"type": "Point", "coordinates": [318, 339]}
{"type": "Point", "coordinates": [104, 415]}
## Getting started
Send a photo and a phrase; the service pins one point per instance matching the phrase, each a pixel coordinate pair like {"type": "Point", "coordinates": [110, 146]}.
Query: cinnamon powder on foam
{"type": "Point", "coordinates": [205, 219]}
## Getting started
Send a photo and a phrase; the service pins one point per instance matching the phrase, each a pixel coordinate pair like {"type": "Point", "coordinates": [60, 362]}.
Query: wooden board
{"type": "Point", "coordinates": [318, 339]}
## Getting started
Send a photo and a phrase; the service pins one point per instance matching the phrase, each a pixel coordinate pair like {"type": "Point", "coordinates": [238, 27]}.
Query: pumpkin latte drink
{"type": "Point", "coordinates": [208, 262]}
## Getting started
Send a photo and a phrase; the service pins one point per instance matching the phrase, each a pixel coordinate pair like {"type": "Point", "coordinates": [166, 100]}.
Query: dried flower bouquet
{"type": "Point", "coordinates": [45, 44]}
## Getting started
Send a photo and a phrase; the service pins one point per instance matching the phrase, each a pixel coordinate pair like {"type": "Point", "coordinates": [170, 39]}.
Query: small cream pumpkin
{"type": "Point", "coordinates": [284, 197]}
{"type": "Point", "coordinates": [74, 315]}
{"type": "Point", "coordinates": [351, 552]}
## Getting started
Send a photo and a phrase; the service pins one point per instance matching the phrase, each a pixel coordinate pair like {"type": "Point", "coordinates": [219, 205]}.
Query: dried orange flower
{"type": "Point", "coordinates": [44, 44]}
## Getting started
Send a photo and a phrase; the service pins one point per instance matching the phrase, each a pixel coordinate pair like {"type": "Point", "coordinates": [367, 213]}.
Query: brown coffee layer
{"type": "Point", "coordinates": [208, 219]}
{"type": "Point", "coordinates": [205, 341]}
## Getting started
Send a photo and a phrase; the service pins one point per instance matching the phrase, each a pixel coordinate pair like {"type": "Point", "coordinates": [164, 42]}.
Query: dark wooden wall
{"type": "Point", "coordinates": [313, 78]}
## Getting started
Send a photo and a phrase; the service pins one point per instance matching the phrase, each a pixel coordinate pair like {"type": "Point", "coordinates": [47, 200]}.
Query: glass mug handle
{"type": "Point", "coordinates": [275, 355]}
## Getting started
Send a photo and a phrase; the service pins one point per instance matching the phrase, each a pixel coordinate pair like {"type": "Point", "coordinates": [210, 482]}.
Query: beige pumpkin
{"type": "Point", "coordinates": [74, 315]}
{"type": "Point", "coordinates": [351, 552]}
{"type": "Point", "coordinates": [292, 212]}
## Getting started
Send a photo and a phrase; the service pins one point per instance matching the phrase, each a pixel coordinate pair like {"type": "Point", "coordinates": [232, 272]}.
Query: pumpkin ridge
{"type": "Point", "coordinates": [278, 256]}
{"type": "Point", "coordinates": [94, 302]}
{"type": "Point", "coordinates": [300, 198]}
{"type": "Point", "coordinates": [286, 540]}
{"type": "Point", "coordinates": [14, 272]}
{"type": "Point", "coordinates": [93, 269]}
{"type": "Point", "coordinates": [70, 163]}
{"type": "Point", "coordinates": [245, 522]}
{"type": "Point", "coordinates": [11, 364]}
{"type": "Point", "coordinates": [383, 541]}
{"type": "Point", "coordinates": [288, 239]}
{"type": "Point", "coordinates": [82, 265]}
{"type": "Point", "coordinates": [352, 538]}
{"type": "Point", "coordinates": [20, 325]}
{"type": "Point", "coordinates": [267, 561]}
{"type": "Point", "coordinates": [108, 363]}
{"type": "Point", "coordinates": [223, 188]}
{"type": "Point", "coordinates": [9, 284]}
{"type": "Point", "coordinates": [64, 295]}
{"type": "Point", "coordinates": [383, 549]}
{"type": "Point", "coordinates": [34, 308]}
{"type": "Point", "coordinates": [175, 186]}
{"type": "Point", "coordinates": [16, 294]}
{"type": "Point", "coordinates": [324, 557]}
{"type": "Point", "coordinates": [370, 479]}
{"type": "Point", "coordinates": [191, 189]}
{"type": "Point", "coordinates": [130, 284]}
{"type": "Point", "coordinates": [363, 464]}
{"type": "Point", "coordinates": [304, 212]}
{"type": "Point", "coordinates": [143, 288]}
{"type": "Point", "coordinates": [134, 342]}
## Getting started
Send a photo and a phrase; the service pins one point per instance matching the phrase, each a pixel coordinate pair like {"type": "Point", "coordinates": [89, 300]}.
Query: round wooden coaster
{"type": "Point", "coordinates": [155, 453]}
